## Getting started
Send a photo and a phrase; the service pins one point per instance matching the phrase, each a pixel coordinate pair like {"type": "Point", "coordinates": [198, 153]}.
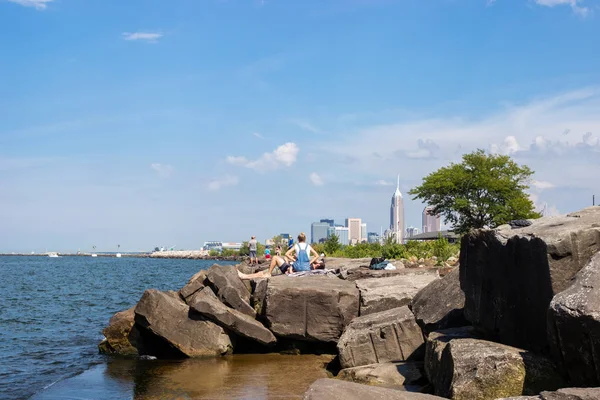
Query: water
{"type": "Point", "coordinates": [52, 312]}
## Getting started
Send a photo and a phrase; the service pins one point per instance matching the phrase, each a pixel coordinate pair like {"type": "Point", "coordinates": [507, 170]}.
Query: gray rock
{"type": "Point", "coordinates": [207, 304]}
{"type": "Point", "coordinates": [311, 308]}
{"type": "Point", "coordinates": [391, 335]}
{"type": "Point", "coordinates": [440, 304]}
{"type": "Point", "coordinates": [365, 273]}
{"type": "Point", "coordinates": [169, 330]}
{"type": "Point", "coordinates": [334, 389]}
{"type": "Point", "coordinates": [196, 282]}
{"type": "Point", "coordinates": [121, 334]}
{"type": "Point", "coordinates": [380, 294]}
{"type": "Point", "coordinates": [472, 369]}
{"type": "Point", "coordinates": [436, 343]}
{"type": "Point", "coordinates": [230, 289]}
{"type": "Point", "coordinates": [509, 276]}
{"type": "Point", "coordinates": [574, 326]}
{"type": "Point", "coordinates": [259, 292]}
{"type": "Point", "coordinates": [395, 375]}
{"type": "Point", "coordinates": [563, 394]}
{"type": "Point", "coordinates": [346, 264]}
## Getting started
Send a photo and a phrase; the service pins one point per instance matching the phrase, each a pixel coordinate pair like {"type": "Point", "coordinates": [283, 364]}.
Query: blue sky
{"type": "Point", "coordinates": [148, 123]}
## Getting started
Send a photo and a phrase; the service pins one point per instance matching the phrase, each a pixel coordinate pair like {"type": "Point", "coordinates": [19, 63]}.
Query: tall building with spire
{"type": "Point", "coordinates": [397, 215]}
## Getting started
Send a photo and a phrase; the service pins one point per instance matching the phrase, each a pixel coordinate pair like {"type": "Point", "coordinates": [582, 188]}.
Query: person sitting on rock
{"type": "Point", "coordinates": [302, 252]}
{"type": "Point", "coordinates": [284, 264]}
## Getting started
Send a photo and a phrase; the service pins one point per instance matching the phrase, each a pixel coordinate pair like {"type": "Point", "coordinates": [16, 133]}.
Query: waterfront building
{"type": "Point", "coordinates": [329, 222]}
{"type": "Point", "coordinates": [411, 231]}
{"type": "Point", "coordinates": [343, 235]}
{"type": "Point", "coordinates": [431, 223]}
{"type": "Point", "coordinates": [363, 232]}
{"type": "Point", "coordinates": [354, 229]}
{"type": "Point", "coordinates": [318, 232]}
{"type": "Point", "coordinates": [397, 215]}
{"type": "Point", "coordinates": [373, 237]}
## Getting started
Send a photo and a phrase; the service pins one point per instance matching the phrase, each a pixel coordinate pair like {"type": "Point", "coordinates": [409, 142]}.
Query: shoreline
{"type": "Point", "coordinates": [131, 255]}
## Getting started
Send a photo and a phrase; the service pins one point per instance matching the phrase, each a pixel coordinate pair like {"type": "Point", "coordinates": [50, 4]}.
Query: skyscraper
{"type": "Point", "coordinates": [411, 231]}
{"type": "Point", "coordinates": [431, 223]}
{"type": "Point", "coordinates": [328, 221]}
{"type": "Point", "coordinates": [342, 234]}
{"type": "Point", "coordinates": [318, 232]}
{"type": "Point", "coordinates": [354, 230]}
{"type": "Point", "coordinates": [363, 232]}
{"type": "Point", "coordinates": [397, 215]}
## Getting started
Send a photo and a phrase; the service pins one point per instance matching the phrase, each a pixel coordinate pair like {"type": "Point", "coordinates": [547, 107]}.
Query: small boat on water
{"type": "Point", "coordinates": [53, 255]}
{"type": "Point", "coordinates": [118, 255]}
{"type": "Point", "coordinates": [94, 255]}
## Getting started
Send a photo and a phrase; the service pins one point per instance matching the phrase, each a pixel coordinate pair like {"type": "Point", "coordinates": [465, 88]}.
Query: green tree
{"type": "Point", "coordinates": [484, 190]}
{"type": "Point", "coordinates": [332, 245]}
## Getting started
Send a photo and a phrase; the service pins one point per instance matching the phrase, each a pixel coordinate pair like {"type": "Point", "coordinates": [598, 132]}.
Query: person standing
{"type": "Point", "coordinates": [252, 245]}
{"type": "Point", "coordinates": [267, 253]}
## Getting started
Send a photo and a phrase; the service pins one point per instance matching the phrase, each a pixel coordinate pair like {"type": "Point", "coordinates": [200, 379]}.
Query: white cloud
{"type": "Point", "coordinates": [258, 135]}
{"type": "Point", "coordinates": [151, 37]}
{"type": "Point", "coordinates": [306, 125]}
{"type": "Point", "coordinates": [316, 179]}
{"type": "Point", "coordinates": [508, 147]}
{"type": "Point", "coordinates": [219, 183]}
{"type": "Point", "coordinates": [383, 182]}
{"type": "Point", "coordinates": [541, 185]}
{"type": "Point", "coordinates": [283, 156]}
{"type": "Point", "coordinates": [163, 170]}
{"type": "Point", "coordinates": [38, 4]}
{"type": "Point", "coordinates": [574, 4]}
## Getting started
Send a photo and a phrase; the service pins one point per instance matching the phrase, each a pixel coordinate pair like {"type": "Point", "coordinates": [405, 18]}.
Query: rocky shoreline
{"type": "Point", "coordinates": [518, 319]}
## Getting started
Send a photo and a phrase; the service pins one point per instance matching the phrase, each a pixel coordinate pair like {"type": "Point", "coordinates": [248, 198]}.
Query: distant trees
{"type": "Point", "coordinates": [332, 244]}
{"type": "Point", "coordinates": [484, 190]}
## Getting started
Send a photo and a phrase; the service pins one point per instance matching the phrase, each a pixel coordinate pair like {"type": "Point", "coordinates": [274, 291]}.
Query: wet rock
{"type": "Point", "coordinates": [335, 389]}
{"type": "Point", "coordinates": [312, 308]}
{"type": "Point", "coordinates": [472, 369]}
{"type": "Point", "coordinates": [439, 305]}
{"type": "Point", "coordinates": [391, 335]}
{"type": "Point", "coordinates": [207, 304]}
{"type": "Point", "coordinates": [230, 289]}
{"type": "Point", "coordinates": [366, 273]}
{"type": "Point", "coordinates": [380, 294]}
{"type": "Point", "coordinates": [563, 394]}
{"type": "Point", "coordinates": [169, 330]}
{"type": "Point", "coordinates": [387, 374]}
{"type": "Point", "coordinates": [196, 282]}
{"type": "Point", "coordinates": [574, 326]}
{"type": "Point", "coordinates": [509, 276]}
{"type": "Point", "coordinates": [121, 335]}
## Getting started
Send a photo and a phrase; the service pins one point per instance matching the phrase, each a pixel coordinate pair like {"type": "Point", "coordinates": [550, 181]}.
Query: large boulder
{"type": "Point", "coordinates": [346, 264]}
{"type": "Point", "coordinates": [380, 294]}
{"type": "Point", "coordinates": [396, 375]}
{"type": "Point", "coordinates": [391, 335]}
{"type": "Point", "coordinates": [439, 305]}
{"type": "Point", "coordinates": [196, 282]}
{"type": "Point", "coordinates": [436, 343]}
{"type": "Point", "coordinates": [334, 389]}
{"type": "Point", "coordinates": [311, 308]}
{"type": "Point", "coordinates": [563, 394]}
{"type": "Point", "coordinates": [472, 369]}
{"type": "Point", "coordinates": [207, 304]}
{"type": "Point", "coordinates": [574, 326]}
{"type": "Point", "coordinates": [230, 289]}
{"type": "Point", "coordinates": [121, 334]}
{"type": "Point", "coordinates": [366, 273]}
{"type": "Point", "coordinates": [509, 276]}
{"type": "Point", "coordinates": [169, 330]}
